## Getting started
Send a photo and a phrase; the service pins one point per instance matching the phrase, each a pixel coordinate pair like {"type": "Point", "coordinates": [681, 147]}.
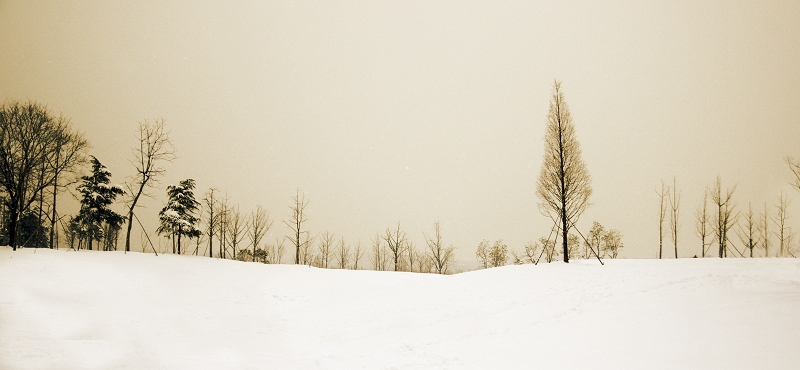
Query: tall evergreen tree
{"type": "Point", "coordinates": [97, 196]}
{"type": "Point", "coordinates": [177, 217]}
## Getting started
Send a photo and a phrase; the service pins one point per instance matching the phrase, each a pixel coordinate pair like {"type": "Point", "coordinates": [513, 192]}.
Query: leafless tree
{"type": "Point", "coordinates": [483, 253]}
{"type": "Point", "coordinates": [69, 156]}
{"type": "Point", "coordinates": [275, 251]}
{"type": "Point", "coordinates": [210, 205]}
{"type": "Point", "coordinates": [423, 262]}
{"type": "Point", "coordinates": [725, 217]}
{"type": "Point", "coordinates": [564, 184]}
{"type": "Point", "coordinates": [223, 224]}
{"type": "Point", "coordinates": [783, 233]}
{"type": "Point", "coordinates": [407, 262]}
{"type": "Point", "coordinates": [154, 149]}
{"type": "Point", "coordinates": [379, 253]}
{"type": "Point", "coordinates": [794, 165]}
{"type": "Point", "coordinates": [358, 252]}
{"type": "Point", "coordinates": [612, 241]}
{"type": "Point", "coordinates": [532, 251]}
{"type": "Point", "coordinates": [32, 143]}
{"type": "Point", "coordinates": [747, 231]}
{"type": "Point", "coordinates": [663, 195]}
{"type": "Point", "coordinates": [299, 237]}
{"type": "Point", "coordinates": [397, 242]}
{"type": "Point", "coordinates": [236, 229]}
{"type": "Point", "coordinates": [326, 246]}
{"type": "Point", "coordinates": [441, 256]}
{"type": "Point", "coordinates": [548, 248]}
{"type": "Point", "coordinates": [344, 254]}
{"type": "Point", "coordinates": [674, 222]}
{"type": "Point", "coordinates": [702, 219]}
{"type": "Point", "coordinates": [594, 240]}
{"type": "Point", "coordinates": [259, 225]}
{"type": "Point", "coordinates": [763, 230]}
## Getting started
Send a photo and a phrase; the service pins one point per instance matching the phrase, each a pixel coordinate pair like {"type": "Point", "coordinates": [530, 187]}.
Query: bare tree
{"type": "Point", "coordinates": [674, 204]}
{"type": "Point", "coordinates": [275, 251]}
{"type": "Point", "coordinates": [223, 215]}
{"type": "Point", "coordinates": [154, 149]}
{"type": "Point", "coordinates": [442, 257]}
{"type": "Point", "coordinates": [612, 241]}
{"type": "Point", "coordinates": [664, 197]}
{"type": "Point", "coordinates": [299, 237]}
{"type": "Point", "coordinates": [259, 225]}
{"type": "Point", "coordinates": [358, 252]}
{"type": "Point", "coordinates": [213, 218]}
{"type": "Point", "coordinates": [32, 142]}
{"type": "Point", "coordinates": [780, 219]}
{"type": "Point", "coordinates": [548, 248]}
{"type": "Point", "coordinates": [702, 223]}
{"type": "Point", "coordinates": [326, 249]}
{"type": "Point", "coordinates": [70, 154]}
{"type": "Point", "coordinates": [564, 184]}
{"type": "Point", "coordinates": [763, 230]}
{"type": "Point", "coordinates": [397, 242]}
{"type": "Point", "coordinates": [344, 254]}
{"type": "Point", "coordinates": [794, 165]}
{"type": "Point", "coordinates": [483, 253]}
{"type": "Point", "coordinates": [725, 217]}
{"type": "Point", "coordinates": [378, 254]}
{"type": "Point", "coordinates": [531, 251]}
{"type": "Point", "coordinates": [236, 228]}
{"type": "Point", "coordinates": [747, 231]}
{"type": "Point", "coordinates": [595, 239]}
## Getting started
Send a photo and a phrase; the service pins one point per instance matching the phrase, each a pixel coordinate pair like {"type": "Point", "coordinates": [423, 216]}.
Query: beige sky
{"type": "Point", "coordinates": [417, 111]}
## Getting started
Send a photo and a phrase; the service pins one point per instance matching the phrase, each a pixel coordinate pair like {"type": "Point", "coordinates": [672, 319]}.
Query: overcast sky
{"type": "Point", "coordinates": [415, 111]}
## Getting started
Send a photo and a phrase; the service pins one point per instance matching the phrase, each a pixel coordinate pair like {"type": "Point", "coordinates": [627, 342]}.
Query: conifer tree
{"type": "Point", "coordinates": [177, 217]}
{"type": "Point", "coordinates": [97, 196]}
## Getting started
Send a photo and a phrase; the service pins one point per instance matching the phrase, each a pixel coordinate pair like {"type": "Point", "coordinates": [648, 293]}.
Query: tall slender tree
{"type": "Point", "coordinates": [69, 156]}
{"type": "Point", "coordinates": [259, 225]}
{"type": "Point", "coordinates": [725, 217]}
{"type": "Point", "coordinates": [564, 184]}
{"type": "Point", "coordinates": [154, 149]}
{"type": "Point", "coordinates": [747, 232]}
{"type": "Point", "coordinates": [441, 256]}
{"type": "Point", "coordinates": [674, 222]}
{"type": "Point", "coordinates": [702, 224]}
{"type": "Point", "coordinates": [663, 195]}
{"type": "Point", "coordinates": [299, 237]}
{"type": "Point", "coordinates": [781, 217]}
{"type": "Point", "coordinates": [763, 230]}
{"type": "Point", "coordinates": [210, 204]}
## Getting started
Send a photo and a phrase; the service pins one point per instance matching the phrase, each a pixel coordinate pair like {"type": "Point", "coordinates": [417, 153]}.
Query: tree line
{"type": "Point", "coordinates": [41, 155]}
{"type": "Point", "coordinates": [720, 224]}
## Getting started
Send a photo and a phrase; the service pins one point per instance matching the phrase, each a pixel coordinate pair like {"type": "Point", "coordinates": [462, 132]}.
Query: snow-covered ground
{"type": "Point", "coordinates": [107, 310]}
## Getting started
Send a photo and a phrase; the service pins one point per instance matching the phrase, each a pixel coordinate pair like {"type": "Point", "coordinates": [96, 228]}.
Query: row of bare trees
{"type": "Point", "coordinates": [718, 219]}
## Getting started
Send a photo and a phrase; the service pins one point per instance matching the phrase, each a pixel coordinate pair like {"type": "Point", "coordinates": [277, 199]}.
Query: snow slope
{"type": "Point", "coordinates": [109, 310]}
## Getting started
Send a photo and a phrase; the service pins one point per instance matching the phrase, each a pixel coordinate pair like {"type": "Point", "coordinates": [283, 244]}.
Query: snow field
{"type": "Point", "coordinates": [109, 310]}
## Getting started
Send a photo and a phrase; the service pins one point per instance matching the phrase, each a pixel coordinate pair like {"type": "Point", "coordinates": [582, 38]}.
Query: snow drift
{"type": "Point", "coordinates": [67, 309]}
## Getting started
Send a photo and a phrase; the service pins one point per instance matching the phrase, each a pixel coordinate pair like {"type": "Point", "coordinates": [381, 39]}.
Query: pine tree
{"type": "Point", "coordinates": [177, 217]}
{"type": "Point", "coordinates": [97, 196]}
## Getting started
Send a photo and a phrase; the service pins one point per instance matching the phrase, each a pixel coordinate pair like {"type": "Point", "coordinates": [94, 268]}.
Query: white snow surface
{"type": "Point", "coordinates": [109, 310]}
